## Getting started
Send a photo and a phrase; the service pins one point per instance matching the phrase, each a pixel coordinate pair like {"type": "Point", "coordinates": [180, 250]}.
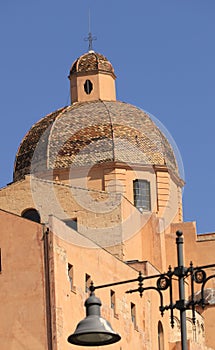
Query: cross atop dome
{"type": "Point", "coordinates": [90, 38]}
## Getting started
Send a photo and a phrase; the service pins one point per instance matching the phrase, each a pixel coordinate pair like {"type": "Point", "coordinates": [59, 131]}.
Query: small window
{"type": "Point", "coordinates": [73, 223]}
{"type": "Point", "coordinates": [31, 214]}
{"type": "Point", "coordinates": [88, 86]}
{"type": "Point", "coordinates": [87, 283]}
{"type": "Point", "coordinates": [71, 277]}
{"type": "Point", "coordinates": [113, 300]}
{"type": "Point", "coordinates": [202, 330]}
{"type": "Point", "coordinates": [133, 314]}
{"type": "Point", "coordinates": [142, 195]}
{"type": "Point", "coordinates": [160, 336]}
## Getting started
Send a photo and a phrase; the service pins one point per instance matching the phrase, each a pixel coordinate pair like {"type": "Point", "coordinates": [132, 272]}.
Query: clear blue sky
{"type": "Point", "coordinates": [163, 53]}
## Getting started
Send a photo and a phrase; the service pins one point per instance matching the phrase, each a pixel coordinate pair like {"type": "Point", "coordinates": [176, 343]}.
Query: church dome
{"type": "Point", "coordinates": [93, 132]}
{"type": "Point", "coordinates": [91, 61]}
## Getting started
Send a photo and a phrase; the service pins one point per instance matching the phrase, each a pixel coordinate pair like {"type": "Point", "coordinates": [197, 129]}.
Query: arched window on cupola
{"type": "Point", "coordinates": [31, 214]}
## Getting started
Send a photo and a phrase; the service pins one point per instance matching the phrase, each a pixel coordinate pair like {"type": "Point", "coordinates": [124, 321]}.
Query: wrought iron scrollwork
{"type": "Point", "coordinates": [164, 282]}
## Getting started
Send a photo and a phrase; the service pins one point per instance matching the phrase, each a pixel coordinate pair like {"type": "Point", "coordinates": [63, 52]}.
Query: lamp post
{"type": "Point", "coordinates": [96, 331]}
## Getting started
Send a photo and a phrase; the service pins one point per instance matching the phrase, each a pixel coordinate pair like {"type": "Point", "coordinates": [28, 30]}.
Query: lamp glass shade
{"type": "Point", "coordinates": [94, 331]}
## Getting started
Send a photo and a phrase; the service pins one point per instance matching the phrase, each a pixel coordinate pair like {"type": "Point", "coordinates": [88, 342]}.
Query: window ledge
{"type": "Point", "coordinates": [136, 328]}
{"type": "Point", "coordinates": [116, 316]}
{"type": "Point", "coordinates": [73, 290]}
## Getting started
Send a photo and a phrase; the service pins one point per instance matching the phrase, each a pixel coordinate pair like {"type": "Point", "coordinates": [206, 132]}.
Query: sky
{"type": "Point", "coordinates": [163, 53]}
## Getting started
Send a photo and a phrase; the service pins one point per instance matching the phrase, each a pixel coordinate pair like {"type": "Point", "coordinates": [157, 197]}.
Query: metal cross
{"type": "Point", "coordinates": [90, 38]}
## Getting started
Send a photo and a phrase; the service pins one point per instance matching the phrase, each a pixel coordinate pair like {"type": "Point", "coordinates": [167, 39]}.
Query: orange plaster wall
{"type": "Point", "coordinates": [69, 247]}
{"type": "Point", "coordinates": [22, 293]}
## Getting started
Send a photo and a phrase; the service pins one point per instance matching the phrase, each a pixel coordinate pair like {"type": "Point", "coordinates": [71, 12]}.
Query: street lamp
{"type": "Point", "coordinates": [96, 331]}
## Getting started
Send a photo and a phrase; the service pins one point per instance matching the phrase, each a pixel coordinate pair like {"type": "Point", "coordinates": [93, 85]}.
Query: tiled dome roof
{"type": "Point", "coordinates": [89, 133]}
{"type": "Point", "coordinates": [91, 61]}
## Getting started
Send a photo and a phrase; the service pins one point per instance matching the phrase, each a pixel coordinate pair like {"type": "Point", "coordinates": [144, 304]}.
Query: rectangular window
{"type": "Point", "coordinates": [133, 314]}
{"type": "Point", "coordinates": [113, 300]}
{"type": "Point", "coordinates": [87, 283]}
{"type": "Point", "coordinates": [142, 195]}
{"type": "Point", "coordinates": [71, 277]}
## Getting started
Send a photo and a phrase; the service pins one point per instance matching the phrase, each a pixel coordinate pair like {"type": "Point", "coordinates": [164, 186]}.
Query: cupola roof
{"type": "Point", "coordinates": [90, 62]}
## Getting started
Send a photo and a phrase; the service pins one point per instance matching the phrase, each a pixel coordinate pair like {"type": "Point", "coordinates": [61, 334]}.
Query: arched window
{"type": "Point", "coordinates": [160, 336]}
{"type": "Point", "coordinates": [31, 214]}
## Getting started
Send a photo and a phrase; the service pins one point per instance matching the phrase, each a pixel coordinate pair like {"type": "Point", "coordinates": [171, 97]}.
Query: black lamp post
{"type": "Point", "coordinates": [96, 331]}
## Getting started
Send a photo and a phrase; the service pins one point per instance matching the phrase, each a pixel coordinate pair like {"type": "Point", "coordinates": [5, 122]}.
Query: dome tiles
{"type": "Point", "coordinates": [91, 61]}
{"type": "Point", "coordinates": [90, 133]}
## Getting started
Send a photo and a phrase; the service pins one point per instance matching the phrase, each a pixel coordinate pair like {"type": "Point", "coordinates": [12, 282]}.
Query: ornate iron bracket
{"type": "Point", "coordinates": [165, 282]}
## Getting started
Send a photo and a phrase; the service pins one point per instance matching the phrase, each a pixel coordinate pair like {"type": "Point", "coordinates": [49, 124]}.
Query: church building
{"type": "Point", "coordinates": [97, 197]}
